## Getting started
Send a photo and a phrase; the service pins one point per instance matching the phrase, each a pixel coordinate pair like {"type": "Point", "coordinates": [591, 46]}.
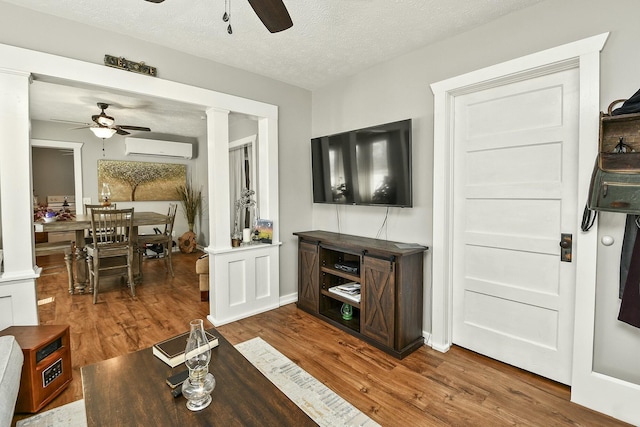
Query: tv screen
{"type": "Point", "coordinates": [370, 166]}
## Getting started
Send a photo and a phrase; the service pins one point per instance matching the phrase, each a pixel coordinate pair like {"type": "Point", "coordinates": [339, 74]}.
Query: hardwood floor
{"type": "Point", "coordinates": [427, 388]}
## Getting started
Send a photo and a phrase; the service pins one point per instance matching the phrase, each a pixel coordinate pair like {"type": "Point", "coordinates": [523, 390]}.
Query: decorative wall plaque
{"type": "Point", "coordinates": [125, 64]}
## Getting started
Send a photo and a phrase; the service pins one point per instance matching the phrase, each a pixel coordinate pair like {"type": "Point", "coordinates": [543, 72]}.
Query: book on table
{"type": "Point", "coordinates": [171, 351]}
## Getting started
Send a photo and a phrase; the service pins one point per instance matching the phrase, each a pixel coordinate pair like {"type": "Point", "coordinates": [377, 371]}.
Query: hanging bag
{"type": "Point", "coordinates": [615, 182]}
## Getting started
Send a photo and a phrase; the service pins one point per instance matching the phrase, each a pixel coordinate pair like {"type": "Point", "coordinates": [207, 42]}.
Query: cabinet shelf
{"type": "Point", "coordinates": [340, 298]}
{"type": "Point", "coordinates": [389, 314]}
{"type": "Point", "coordinates": [335, 315]}
{"type": "Point", "coordinates": [349, 276]}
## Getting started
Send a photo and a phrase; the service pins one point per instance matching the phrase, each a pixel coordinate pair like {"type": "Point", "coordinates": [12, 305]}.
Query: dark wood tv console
{"type": "Point", "coordinates": [389, 314]}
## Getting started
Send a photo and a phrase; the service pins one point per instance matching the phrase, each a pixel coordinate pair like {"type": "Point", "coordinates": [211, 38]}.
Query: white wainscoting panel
{"type": "Point", "coordinates": [18, 305]}
{"type": "Point", "coordinates": [244, 282]}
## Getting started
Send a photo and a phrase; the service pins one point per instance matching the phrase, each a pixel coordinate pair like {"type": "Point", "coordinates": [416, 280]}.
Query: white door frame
{"type": "Point", "coordinates": [583, 54]}
{"type": "Point", "coordinates": [597, 391]}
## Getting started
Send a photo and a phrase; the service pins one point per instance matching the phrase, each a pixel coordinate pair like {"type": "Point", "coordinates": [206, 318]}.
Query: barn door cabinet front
{"type": "Point", "coordinates": [389, 312]}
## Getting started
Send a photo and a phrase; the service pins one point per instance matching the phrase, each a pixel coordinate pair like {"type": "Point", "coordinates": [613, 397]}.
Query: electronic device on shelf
{"type": "Point", "coordinates": [348, 266]}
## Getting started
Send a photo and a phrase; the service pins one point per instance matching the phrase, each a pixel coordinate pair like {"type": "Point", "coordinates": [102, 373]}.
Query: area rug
{"type": "Point", "coordinates": [319, 402]}
{"type": "Point", "coordinates": [69, 415]}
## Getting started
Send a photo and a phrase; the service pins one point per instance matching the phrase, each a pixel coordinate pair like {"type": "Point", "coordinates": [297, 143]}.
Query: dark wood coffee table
{"type": "Point", "coordinates": [130, 390]}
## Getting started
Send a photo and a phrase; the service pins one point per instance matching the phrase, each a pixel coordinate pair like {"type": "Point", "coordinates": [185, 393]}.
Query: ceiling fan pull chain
{"type": "Point", "coordinates": [273, 14]}
{"type": "Point", "coordinates": [227, 15]}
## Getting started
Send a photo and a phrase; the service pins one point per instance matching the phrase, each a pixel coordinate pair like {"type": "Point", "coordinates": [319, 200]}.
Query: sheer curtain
{"type": "Point", "coordinates": [240, 166]}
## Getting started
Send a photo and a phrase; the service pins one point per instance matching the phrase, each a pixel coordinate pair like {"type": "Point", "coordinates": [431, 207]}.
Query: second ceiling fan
{"type": "Point", "coordinates": [108, 123]}
{"type": "Point", "coordinates": [272, 13]}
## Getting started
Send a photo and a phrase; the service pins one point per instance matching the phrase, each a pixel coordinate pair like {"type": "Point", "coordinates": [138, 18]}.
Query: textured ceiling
{"type": "Point", "coordinates": [74, 106]}
{"type": "Point", "coordinates": [329, 40]}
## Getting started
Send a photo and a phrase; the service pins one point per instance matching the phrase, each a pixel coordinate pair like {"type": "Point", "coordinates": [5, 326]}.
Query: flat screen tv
{"type": "Point", "coordinates": [370, 166]}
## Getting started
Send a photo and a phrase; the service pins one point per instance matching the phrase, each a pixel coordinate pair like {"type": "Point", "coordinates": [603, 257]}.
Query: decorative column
{"type": "Point", "coordinates": [218, 172]}
{"type": "Point", "coordinates": [243, 281]}
{"type": "Point", "coordinates": [18, 304]}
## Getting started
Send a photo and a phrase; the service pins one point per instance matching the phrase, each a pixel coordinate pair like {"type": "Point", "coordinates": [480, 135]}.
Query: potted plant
{"type": "Point", "coordinates": [191, 199]}
{"type": "Point", "coordinates": [245, 202]}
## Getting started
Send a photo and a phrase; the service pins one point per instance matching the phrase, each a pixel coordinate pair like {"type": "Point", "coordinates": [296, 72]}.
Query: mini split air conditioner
{"type": "Point", "coordinates": [154, 147]}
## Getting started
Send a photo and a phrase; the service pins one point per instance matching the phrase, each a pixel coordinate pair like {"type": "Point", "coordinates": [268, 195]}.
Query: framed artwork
{"type": "Point", "coordinates": [141, 181]}
{"type": "Point", "coordinates": [265, 230]}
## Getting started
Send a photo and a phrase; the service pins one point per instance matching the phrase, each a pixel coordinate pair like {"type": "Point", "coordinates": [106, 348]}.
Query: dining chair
{"type": "Point", "coordinates": [87, 211]}
{"type": "Point", "coordinates": [165, 239]}
{"type": "Point", "coordinates": [111, 250]}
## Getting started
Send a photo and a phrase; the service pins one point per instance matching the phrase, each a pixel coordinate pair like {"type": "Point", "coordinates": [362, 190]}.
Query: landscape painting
{"type": "Point", "coordinates": [141, 181]}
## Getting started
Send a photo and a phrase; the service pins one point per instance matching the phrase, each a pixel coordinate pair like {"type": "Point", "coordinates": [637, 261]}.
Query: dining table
{"type": "Point", "coordinates": [80, 223]}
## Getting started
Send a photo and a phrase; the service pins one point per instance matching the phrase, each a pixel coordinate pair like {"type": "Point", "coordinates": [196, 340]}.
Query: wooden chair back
{"type": "Point", "coordinates": [111, 230]}
{"type": "Point", "coordinates": [111, 227]}
{"type": "Point", "coordinates": [88, 207]}
{"type": "Point", "coordinates": [87, 211]}
{"type": "Point", "coordinates": [165, 239]}
{"type": "Point", "coordinates": [168, 228]}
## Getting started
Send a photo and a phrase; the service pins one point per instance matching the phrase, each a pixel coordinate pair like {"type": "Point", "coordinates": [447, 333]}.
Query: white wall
{"type": "Point", "coordinates": [25, 28]}
{"type": "Point", "coordinates": [52, 173]}
{"type": "Point", "coordinates": [399, 89]}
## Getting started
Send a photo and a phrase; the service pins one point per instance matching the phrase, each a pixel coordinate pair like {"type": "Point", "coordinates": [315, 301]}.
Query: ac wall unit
{"type": "Point", "coordinates": [154, 147]}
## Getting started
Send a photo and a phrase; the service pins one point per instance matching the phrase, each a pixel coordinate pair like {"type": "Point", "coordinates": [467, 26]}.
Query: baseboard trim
{"type": "Point", "coordinates": [441, 349]}
{"type": "Point", "coordinates": [427, 338]}
{"type": "Point", "coordinates": [288, 299]}
{"type": "Point", "coordinates": [215, 322]}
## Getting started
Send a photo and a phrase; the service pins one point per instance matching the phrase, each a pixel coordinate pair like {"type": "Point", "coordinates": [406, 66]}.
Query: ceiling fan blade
{"type": "Point", "coordinates": [83, 124]}
{"type": "Point", "coordinates": [155, 1]}
{"type": "Point", "coordinates": [121, 131]}
{"type": "Point", "coordinates": [141, 128]}
{"type": "Point", "coordinates": [273, 14]}
{"type": "Point", "coordinates": [70, 121]}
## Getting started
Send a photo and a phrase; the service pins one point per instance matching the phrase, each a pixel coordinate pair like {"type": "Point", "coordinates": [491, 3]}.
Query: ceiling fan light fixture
{"type": "Point", "coordinates": [103, 132]}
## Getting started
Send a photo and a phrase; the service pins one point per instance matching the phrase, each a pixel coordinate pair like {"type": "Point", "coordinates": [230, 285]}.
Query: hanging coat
{"type": "Point", "coordinates": [630, 233]}
{"type": "Point", "coordinates": [630, 306]}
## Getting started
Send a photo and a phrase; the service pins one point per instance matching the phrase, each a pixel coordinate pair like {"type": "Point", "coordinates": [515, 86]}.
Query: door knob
{"type": "Point", "coordinates": [566, 245]}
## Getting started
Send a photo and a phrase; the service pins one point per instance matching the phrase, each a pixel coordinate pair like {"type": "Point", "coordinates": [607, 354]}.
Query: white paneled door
{"type": "Point", "coordinates": [514, 188]}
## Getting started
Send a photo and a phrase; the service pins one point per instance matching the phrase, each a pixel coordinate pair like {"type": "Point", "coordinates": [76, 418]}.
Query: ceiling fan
{"type": "Point", "coordinates": [105, 125]}
{"type": "Point", "coordinates": [272, 13]}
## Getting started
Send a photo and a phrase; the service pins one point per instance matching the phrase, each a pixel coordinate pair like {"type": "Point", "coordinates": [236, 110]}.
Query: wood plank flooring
{"type": "Point", "coordinates": [427, 388]}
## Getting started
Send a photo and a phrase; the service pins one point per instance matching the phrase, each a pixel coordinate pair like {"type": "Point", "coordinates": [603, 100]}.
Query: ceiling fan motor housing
{"type": "Point", "coordinates": [104, 121]}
